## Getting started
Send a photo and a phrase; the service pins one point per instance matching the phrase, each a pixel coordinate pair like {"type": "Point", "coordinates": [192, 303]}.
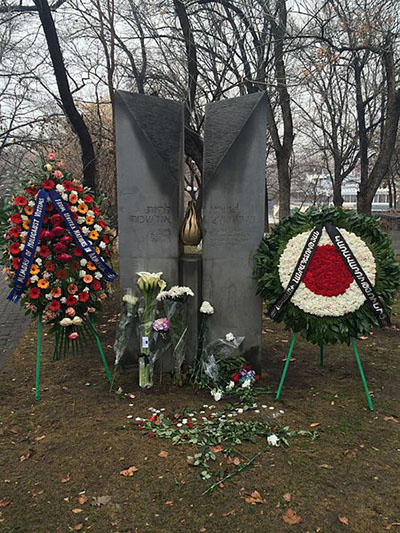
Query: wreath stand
{"type": "Point", "coordinates": [38, 350]}
{"type": "Point", "coordinates": [321, 362]}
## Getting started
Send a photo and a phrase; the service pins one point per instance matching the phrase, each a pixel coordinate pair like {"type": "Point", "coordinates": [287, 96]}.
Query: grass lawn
{"type": "Point", "coordinates": [72, 441]}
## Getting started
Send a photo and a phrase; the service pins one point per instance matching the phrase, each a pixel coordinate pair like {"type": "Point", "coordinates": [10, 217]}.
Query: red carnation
{"type": "Point", "coordinates": [58, 231]}
{"type": "Point", "coordinates": [83, 296]}
{"type": "Point", "coordinates": [74, 215]}
{"type": "Point", "coordinates": [34, 293]}
{"type": "Point", "coordinates": [96, 285]}
{"type": "Point", "coordinates": [49, 266]}
{"type": "Point", "coordinates": [15, 232]}
{"type": "Point", "coordinates": [77, 251]}
{"type": "Point", "coordinates": [96, 211]}
{"type": "Point", "coordinates": [59, 248]}
{"type": "Point", "coordinates": [48, 184]}
{"type": "Point", "coordinates": [72, 300]}
{"type": "Point", "coordinates": [56, 219]}
{"type": "Point", "coordinates": [16, 218]}
{"type": "Point", "coordinates": [78, 188]}
{"type": "Point", "coordinates": [55, 305]}
{"type": "Point", "coordinates": [46, 235]}
{"type": "Point", "coordinates": [236, 377]}
{"type": "Point", "coordinates": [61, 274]}
{"type": "Point", "coordinates": [44, 251]}
{"type": "Point", "coordinates": [64, 258]}
{"type": "Point", "coordinates": [68, 185]}
{"type": "Point", "coordinates": [20, 200]}
{"type": "Point", "coordinates": [106, 239]}
{"type": "Point", "coordinates": [15, 263]}
{"type": "Point", "coordinates": [67, 239]}
{"type": "Point", "coordinates": [88, 199]}
{"type": "Point", "coordinates": [102, 224]}
{"type": "Point", "coordinates": [31, 190]}
{"type": "Point", "coordinates": [14, 248]}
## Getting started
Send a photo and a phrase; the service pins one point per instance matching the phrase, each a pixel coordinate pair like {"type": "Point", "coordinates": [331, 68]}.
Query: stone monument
{"type": "Point", "coordinates": [233, 216]}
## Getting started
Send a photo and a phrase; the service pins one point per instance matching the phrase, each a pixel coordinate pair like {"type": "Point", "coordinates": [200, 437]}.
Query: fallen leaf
{"type": "Point", "coordinates": [190, 460]}
{"type": "Point", "coordinates": [391, 419]}
{"type": "Point", "coordinates": [327, 467]}
{"type": "Point", "coordinates": [98, 501]}
{"type": "Point", "coordinates": [5, 501]}
{"type": "Point", "coordinates": [233, 461]}
{"type": "Point", "coordinates": [129, 471]}
{"type": "Point", "coordinates": [287, 497]}
{"type": "Point", "coordinates": [230, 513]}
{"type": "Point", "coordinates": [65, 479]}
{"type": "Point", "coordinates": [388, 527]}
{"type": "Point", "coordinates": [363, 337]}
{"type": "Point", "coordinates": [37, 439]}
{"type": "Point", "coordinates": [26, 455]}
{"type": "Point", "coordinates": [216, 449]}
{"type": "Point", "coordinates": [78, 527]}
{"type": "Point", "coordinates": [169, 502]}
{"type": "Point", "coordinates": [315, 424]}
{"type": "Point", "coordinates": [76, 511]}
{"type": "Point", "coordinates": [82, 499]}
{"type": "Point", "coordinates": [202, 529]}
{"type": "Point", "coordinates": [254, 498]}
{"type": "Point", "coordinates": [163, 454]}
{"type": "Point", "coordinates": [291, 517]}
{"type": "Point", "coordinates": [344, 520]}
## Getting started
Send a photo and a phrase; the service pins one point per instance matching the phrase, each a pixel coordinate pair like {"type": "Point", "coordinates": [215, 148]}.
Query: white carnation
{"type": "Point", "coordinates": [83, 262]}
{"type": "Point", "coordinates": [130, 299]}
{"type": "Point", "coordinates": [64, 196]}
{"type": "Point", "coordinates": [38, 260]}
{"type": "Point", "coordinates": [82, 273]}
{"type": "Point", "coordinates": [81, 220]}
{"type": "Point", "coordinates": [98, 228]}
{"type": "Point", "coordinates": [77, 320]}
{"type": "Point", "coordinates": [48, 296]}
{"type": "Point", "coordinates": [63, 300]}
{"type": "Point", "coordinates": [98, 275]}
{"type": "Point", "coordinates": [230, 337]}
{"type": "Point", "coordinates": [66, 322]}
{"type": "Point", "coordinates": [206, 308]}
{"type": "Point", "coordinates": [85, 230]}
{"type": "Point", "coordinates": [102, 245]}
{"type": "Point", "coordinates": [273, 440]}
{"type": "Point", "coordinates": [217, 394]}
{"type": "Point", "coordinates": [34, 279]}
{"type": "Point", "coordinates": [60, 188]}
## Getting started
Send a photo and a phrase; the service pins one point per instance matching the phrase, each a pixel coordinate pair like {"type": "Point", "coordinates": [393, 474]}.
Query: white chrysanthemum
{"type": "Point", "coordinates": [318, 304]}
{"type": "Point", "coordinates": [130, 299]}
{"type": "Point", "coordinates": [175, 293]}
{"type": "Point", "coordinates": [217, 394]}
{"type": "Point", "coordinates": [206, 308]}
{"type": "Point", "coordinates": [230, 337]}
{"type": "Point", "coordinates": [273, 440]}
{"type": "Point", "coordinates": [48, 296]}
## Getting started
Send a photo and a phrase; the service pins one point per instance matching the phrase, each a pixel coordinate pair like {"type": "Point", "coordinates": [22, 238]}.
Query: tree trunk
{"type": "Point", "coordinates": [337, 192]}
{"type": "Point", "coordinates": [284, 186]}
{"type": "Point", "coordinates": [78, 124]}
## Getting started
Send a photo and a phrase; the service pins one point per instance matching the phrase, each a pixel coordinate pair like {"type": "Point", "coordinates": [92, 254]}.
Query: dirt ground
{"type": "Point", "coordinates": [72, 444]}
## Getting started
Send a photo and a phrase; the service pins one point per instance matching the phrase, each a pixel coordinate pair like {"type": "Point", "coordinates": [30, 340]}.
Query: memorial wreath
{"type": "Point", "coordinates": [55, 246]}
{"type": "Point", "coordinates": [328, 273]}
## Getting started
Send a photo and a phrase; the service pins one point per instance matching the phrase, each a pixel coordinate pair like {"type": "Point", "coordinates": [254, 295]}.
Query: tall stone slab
{"type": "Point", "coordinates": [149, 140]}
{"type": "Point", "coordinates": [233, 216]}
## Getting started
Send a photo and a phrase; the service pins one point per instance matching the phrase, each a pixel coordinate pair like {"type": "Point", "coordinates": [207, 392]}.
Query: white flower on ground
{"type": "Point", "coordinates": [217, 394]}
{"type": "Point", "coordinates": [230, 337]}
{"type": "Point", "coordinates": [206, 308]}
{"type": "Point", "coordinates": [130, 299]}
{"type": "Point", "coordinates": [246, 384]}
{"type": "Point", "coordinates": [273, 440]}
{"type": "Point", "coordinates": [230, 385]}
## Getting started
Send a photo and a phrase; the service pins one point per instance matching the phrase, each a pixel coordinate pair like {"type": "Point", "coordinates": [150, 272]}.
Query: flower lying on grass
{"type": "Point", "coordinates": [217, 431]}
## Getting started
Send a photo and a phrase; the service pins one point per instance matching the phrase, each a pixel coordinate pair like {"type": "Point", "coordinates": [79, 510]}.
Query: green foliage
{"type": "Point", "coordinates": [324, 330]}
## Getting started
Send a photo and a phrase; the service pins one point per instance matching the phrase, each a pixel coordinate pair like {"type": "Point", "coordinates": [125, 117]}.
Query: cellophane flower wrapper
{"type": "Point", "coordinates": [128, 324]}
{"type": "Point", "coordinates": [146, 356]}
{"type": "Point", "coordinates": [215, 352]}
{"type": "Point", "coordinates": [176, 312]}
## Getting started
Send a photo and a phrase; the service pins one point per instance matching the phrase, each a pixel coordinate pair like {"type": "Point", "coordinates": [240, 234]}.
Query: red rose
{"type": "Point", "coordinates": [236, 377]}
{"type": "Point", "coordinates": [71, 300]}
{"type": "Point", "coordinates": [20, 200]}
{"type": "Point", "coordinates": [44, 251]}
{"type": "Point", "coordinates": [96, 211]}
{"type": "Point", "coordinates": [68, 185]}
{"type": "Point", "coordinates": [49, 266]}
{"type": "Point", "coordinates": [102, 224]}
{"type": "Point", "coordinates": [78, 188]}
{"type": "Point", "coordinates": [16, 218]}
{"type": "Point", "coordinates": [59, 248]}
{"type": "Point", "coordinates": [46, 235]}
{"type": "Point", "coordinates": [64, 258]}
{"type": "Point", "coordinates": [58, 231]}
{"type": "Point", "coordinates": [56, 219]}
{"type": "Point", "coordinates": [34, 293]}
{"type": "Point", "coordinates": [67, 239]}
{"type": "Point", "coordinates": [15, 263]}
{"type": "Point", "coordinates": [55, 305]}
{"type": "Point", "coordinates": [31, 190]}
{"type": "Point", "coordinates": [15, 232]}
{"type": "Point", "coordinates": [14, 248]}
{"type": "Point", "coordinates": [61, 274]}
{"type": "Point", "coordinates": [88, 199]}
{"type": "Point", "coordinates": [96, 285]}
{"type": "Point", "coordinates": [106, 239]}
{"type": "Point", "coordinates": [77, 251]}
{"type": "Point", "coordinates": [48, 184]}
{"type": "Point", "coordinates": [83, 296]}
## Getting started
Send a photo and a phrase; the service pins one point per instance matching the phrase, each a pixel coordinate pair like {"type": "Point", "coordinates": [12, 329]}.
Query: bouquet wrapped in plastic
{"type": "Point", "coordinates": [127, 323]}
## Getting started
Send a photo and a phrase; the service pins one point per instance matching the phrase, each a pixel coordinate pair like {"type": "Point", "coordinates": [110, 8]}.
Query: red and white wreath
{"type": "Point", "coordinates": [327, 288]}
